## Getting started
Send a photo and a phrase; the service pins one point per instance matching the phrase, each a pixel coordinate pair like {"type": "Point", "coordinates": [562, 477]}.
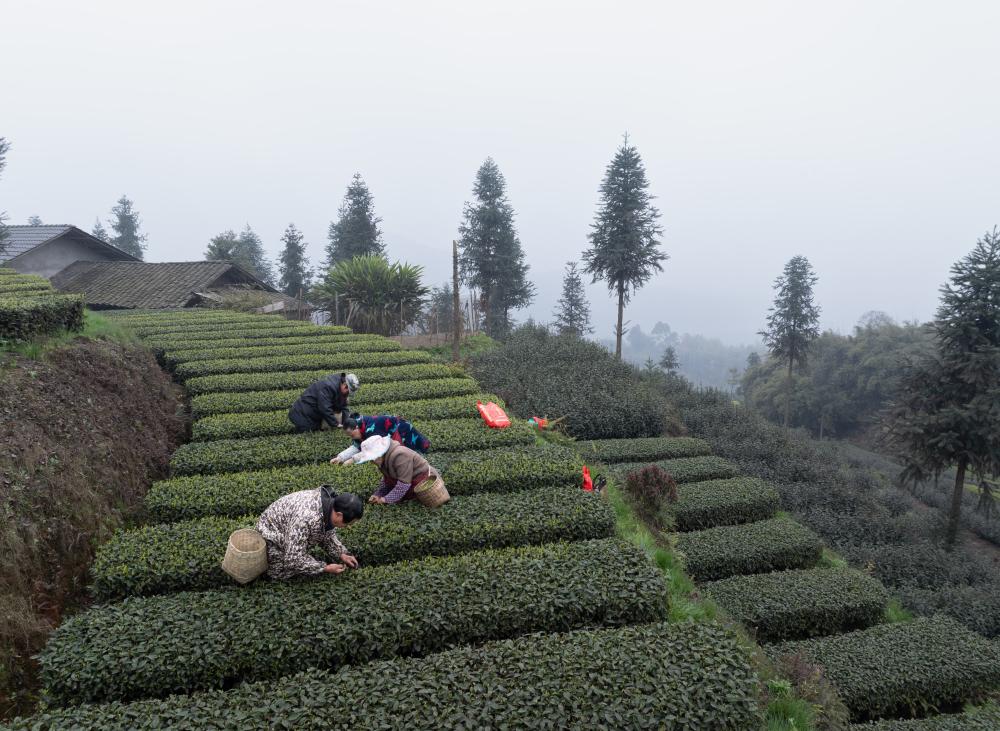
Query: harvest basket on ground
{"type": "Point", "coordinates": [432, 493]}
{"type": "Point", "coordinates": [246, 555]}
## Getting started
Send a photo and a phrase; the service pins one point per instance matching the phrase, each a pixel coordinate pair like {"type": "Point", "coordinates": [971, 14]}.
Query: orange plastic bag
{"type": "Point", "coordinates": [588, 483]}
{"type": "Point", "coordinates": [493, 415]}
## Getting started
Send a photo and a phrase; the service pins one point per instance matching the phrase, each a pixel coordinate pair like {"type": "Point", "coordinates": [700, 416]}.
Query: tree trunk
{"type": "Point", "coordinates": [456, 304]}
{"type": "Point", "coordinates": [956, 505]}
{"type": "Point", "coordinates": [621, 316]}
{"type": "Point", "coordinates": [822, 421]}
{"type": "Point", "coordinates": [788, 393]}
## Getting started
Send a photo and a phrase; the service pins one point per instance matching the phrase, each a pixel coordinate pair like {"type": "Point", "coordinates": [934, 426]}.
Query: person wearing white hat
{"type": "Point", "coordinates": [402, 469]}
{"type": "Point", "coordinates": [324, 402]}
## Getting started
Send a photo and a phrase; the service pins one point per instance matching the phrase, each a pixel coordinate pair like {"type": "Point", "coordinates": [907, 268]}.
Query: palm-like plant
{"type": "Point", "coordinates": [370, 295]}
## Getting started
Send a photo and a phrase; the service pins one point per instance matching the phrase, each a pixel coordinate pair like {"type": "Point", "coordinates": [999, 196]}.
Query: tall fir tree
{"type": "Point", "coordinates": [624, 239]}
{"type": "Point", "coordinates": [125, 223]}
{"type": "Point", "coordinates": [945, 413]}
{"type": "Point", "coordinates": [34, 220]}
{"type": "Point", "coordinates": [293, 265]}
{"type": "Point", "coordinates": [794, 320]}
{"type": "Point", "coordinates": [573, 311]}
{"type": "Point", "coordinates": [356, 231]}
{"type": "Point", "coordinates": [4, 148]}
{"type": "Point", "coordinates": [245, 250]}
{"type": "Point", "coordinates": [99, 232]}
{"type": "Point", "coordinates": [492, 259]}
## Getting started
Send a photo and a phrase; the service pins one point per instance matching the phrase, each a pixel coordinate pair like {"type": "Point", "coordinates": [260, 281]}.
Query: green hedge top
{"type": "Point", "coordinates": [903, 669]}
{"type": "Point", "coordinates": [16, 289]}
{"type": "Point", "coordinates": [752, 548]}
{"type": "Point", "coordinates": [643, 448]}
{"type": "Point", "coordinates": [146, 318]}
{"type": "Point", "coordinates": [264, 423]}
{"type": "Point", "coordinates": [697, 675]}
{"type": "Point", "coordinates": [195, 348]}
{"type": "Point", "coordinates": [683, 469]}
{"type": "Point", "coordinates": [235, 455]}
{"type": "Point", "coordinates": [8, 272]}
{"type": "Point", "coordinates": [712, 503]}
{"type": "Point", "coordinates": [332, 362]}
{"type": "Point", "coordinates": [466, 473]}
{"type": "Point", "coordinates": [238, 330]}
{"type": "Point", "coordinates": [22, 318]}
{"type": "Point", "coordinates": [178, 643]}
{"type": "Point", "coordinates": [799, 604]}
{"type": "Point", "coordinates": [281, 380]}
{"type": "Point", "coordinates": [355, 344]}
{"type": "Point", "coordinates": [370, 393]}
{"type": "Point", "coordinates": [983, 718]}
{"type": "Point", "coordinates": [183, 556]}
{"type": "Point", "coordinates": [212, 327]}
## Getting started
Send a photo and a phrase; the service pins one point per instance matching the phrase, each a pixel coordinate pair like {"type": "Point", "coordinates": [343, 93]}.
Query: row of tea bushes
{"type": "Point", "coordinates": [980, 718]}
{"type": "Point", "coordinates": [683, 469]}
{"type": "Point", "coordinates": [800, 604]}
{"type": "Point", "coordinates": [179, 643]}
{"type": "Point", "coordinates": [648, 449]}
{"type": "Point", "coordinates": [181, 556]}
{"type": "Point", "coordinates": [353, 344]}
{"type": "Point", "coordinates": [712, 503]}
{"type": "Point", "coordinates": [905, 669]}
{"type": "Point", "coordinates": [330, 362]}
{"type": "Point", "coordinates": [25, 317]}
{"type": "Point", "coordinates": [242, 331]}
{"type": "Point", "coordinates": [281, 380]}
{"type": "Point", "coordinates": [269, 423]}
{"type": "Point", "coordinates": [210, 404]}
{"type": "Point", "coordinates": [211, 328]}
{"type": "Point", "coordinates": [752, 548]}
{"type": "Point", "coordinates": [696, 675]}
{"type": "Point", "coordinates": [239, 493]}
{"type": "Point", "coordinates": [235, 455]}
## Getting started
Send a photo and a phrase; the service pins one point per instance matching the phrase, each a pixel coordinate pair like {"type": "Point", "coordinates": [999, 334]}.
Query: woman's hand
{"type": "Point", "coordinates": [334, 568]}
{"type": "Point", "coordinates": [336, 460]}
{"type": "Point", "coordinates": [377, 500]}
{"type": "Point", "coordinates": [349, 560]}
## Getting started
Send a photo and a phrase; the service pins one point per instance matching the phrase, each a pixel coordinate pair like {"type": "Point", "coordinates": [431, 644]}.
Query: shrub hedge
{"type": "Point", "coordinates": [355, 345]}
{"type": "Point", "coordinates": [263, 423]}
{"type": "Point", "coordinates": [192, 348]}
{"type": "Point", "coordinates": [197, 640]}
{"type": "Point", "coordinates": [599, 396]}
{"type": "Point", "coordinates": [696, 675]}
{"type": "Point", "coordinates": [465, 473]}
{"type": "Point", "coordinates": [649, 449]}
{"type": "Point", "coordinates": [683, 469]}
{"type": "Point", "coordinates": [301, 379]}
{"type": "Point", "coordinates": [234, 455]}
{"type": "Point", "coordinates": [16, 289]}
{"type": "Point", "coordinates": [712, 503]}
{"type": "Point", "coordinates": [903, 669]}
{"type": "Point", "coordinates": [982, 718]}
{"type": "Point", "coordinates": [182, 556]}
{"type": "Point", "coordinates": [751, 548]}
{"type": "Point", "coordinates": [206, 337]}
{"type": "Point", "coordinates": [206, 327]}
{"type": "Point", "coordinates": [332, 362]}
{"type": "Point", "coordinates": [799, 604]}
{"type": "Point", "coordinates": [370, 393]}
{"type": "Point", "coordinates": [193, 317]}
{"type": "Point", "coordinates": [22, 318]}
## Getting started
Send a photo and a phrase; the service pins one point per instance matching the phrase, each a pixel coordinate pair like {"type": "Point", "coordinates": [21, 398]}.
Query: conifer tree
{"type": "Point", "coordinates": [293, 264]}
{"type": "Point", "coordinates": [99, 232]}
{"type": "Point", "coordinates": [624, 240]}
{"type": "Point", "coordinates": [492, 260]}
{"type": "Point", "coordinates": [794, 320]}
{"type": "Point", "coordinates": [356, 231]}
{"type": "Point", "coordinates": [34, 220]}
{"type": "Point", "coordinates": [4, 148]}
{"type": "Point", "coordinates": [125, 223]}
{"type": "Point", "coordinates": [945, 413]}
{"type": "Point", "coordinates": [245, 250]}
{"type": "Point", "coordinates": [573, 313]}
{"type": "Point", "coordinates": [669, 361]}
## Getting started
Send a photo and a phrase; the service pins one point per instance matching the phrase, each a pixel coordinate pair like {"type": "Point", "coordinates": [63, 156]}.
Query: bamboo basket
{"type": "Point", "coordinates": [432, 494]}
{"type": "Point", "coordinates": [246, 555]}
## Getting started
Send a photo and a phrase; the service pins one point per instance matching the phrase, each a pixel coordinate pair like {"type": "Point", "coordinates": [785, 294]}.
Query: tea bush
{"type": "Point", "coordinates": [751, 548]}
{"type": "Point", "coordinates": [203, 350]}
{"type": "Point", "coordinates": [466, 473]}
{"type": "Point", "coordinates": [649, 449]}
{"type": "Point", "coordinates": [983, 718]}
{"type": "Point", "coordinates": [22, 318]}
{"type": "Point", "coordinates": [696, 675]}
{"type": "Point", "coordinates": [904, 669]}
{"type": "Point", "coordinates": [189, 317]}
{"type": "Point", "coordinates": [206, 328]}
{"type": "Point", "coordinates": [173, 358]}
{"type": "Point", "coordinates": [599, 396]}
{"type": "Point", "coordinates": [370, 393]}
{"type": "Point", "coordinates": [237, 426]}
{"type": "Point", "coordinates": [235, 455]}
{"type": "Point", "coordinates": [199, 640]}
{"type": "Point", "coordinates": [712, 503]}
{"type": "Point", "coordinates": [237, 330]}
{"type": "Point", "coordinates": [330, 362]}
{"type": "Point", "coordinates": [800, 604]}
{"type": "Point", "coordinates": [182, 556]}
{"type": "Point", "coordinates": [16, 289]}
{"type": "Point", "coordinates": [301, 379]}
{"type": "Point", "coordinates": [683, 469]}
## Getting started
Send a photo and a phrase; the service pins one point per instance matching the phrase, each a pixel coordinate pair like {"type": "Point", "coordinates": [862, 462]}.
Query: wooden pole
{"type": "Point", "coordinates": [456, 305]}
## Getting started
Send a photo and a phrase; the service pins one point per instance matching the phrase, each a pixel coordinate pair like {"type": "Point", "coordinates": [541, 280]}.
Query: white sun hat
{"type": "Point", "coordinates": [371, 448]}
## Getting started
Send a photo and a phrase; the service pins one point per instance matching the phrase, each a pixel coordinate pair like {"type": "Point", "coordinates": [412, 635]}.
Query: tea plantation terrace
{"type": "Point", "coordinates": [500, 607]}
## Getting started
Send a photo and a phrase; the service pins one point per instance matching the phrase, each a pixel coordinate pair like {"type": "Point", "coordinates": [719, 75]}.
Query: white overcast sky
{"type": "Point", "coordinates": [863, 135]}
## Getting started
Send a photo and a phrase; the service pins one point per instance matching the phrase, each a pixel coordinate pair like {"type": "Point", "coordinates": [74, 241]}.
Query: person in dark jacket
{"type": "Point", "coordinates": [360, 427]}
{"type": "Point", "coordinates": [325, 401]}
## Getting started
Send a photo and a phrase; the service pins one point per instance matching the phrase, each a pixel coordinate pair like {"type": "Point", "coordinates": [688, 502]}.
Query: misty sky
{"type": "Point", "coordinates": [864, 135]}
